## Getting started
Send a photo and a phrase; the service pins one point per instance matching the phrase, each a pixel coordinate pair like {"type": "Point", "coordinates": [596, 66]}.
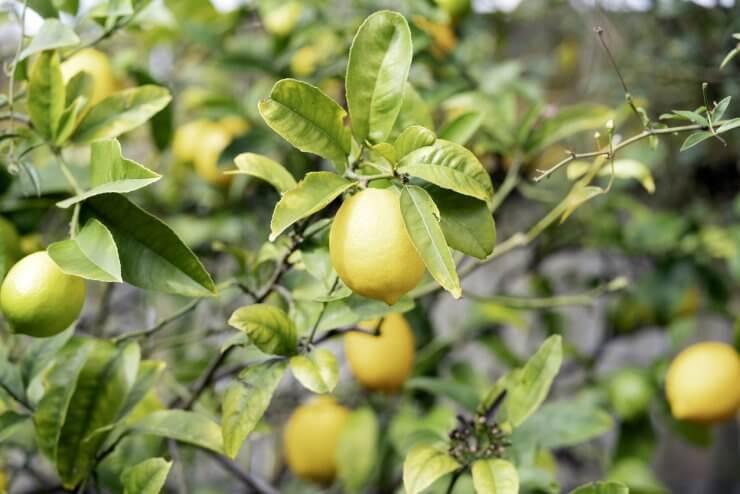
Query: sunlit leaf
{"type": "Point", "coordinates": [268, 327]}
{"type": "Point", "coordinates": [51, 35]}
{"type": "Point", "coordinates": [425, 464]}
{"type": "Point", "coordinates": [317, 371]}
{"type": "Point", "coordinates": [187, 427]}
{"type": "Point", "coordinates": [147, 477]}
{"type": "Point", "coordinates": [495, 476]}
{"type": "Point", "coordinates": [265, 169]}
{"type": "Point", "coordinates": [92, 254]}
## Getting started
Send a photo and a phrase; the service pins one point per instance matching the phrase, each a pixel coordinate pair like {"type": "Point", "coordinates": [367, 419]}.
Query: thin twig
{"type": "Point", "coordinates": [252, 482]}
{"type": "Point", "coordinates": [182, 311]}
{"type": "Point", "coordinates": [182, 486]}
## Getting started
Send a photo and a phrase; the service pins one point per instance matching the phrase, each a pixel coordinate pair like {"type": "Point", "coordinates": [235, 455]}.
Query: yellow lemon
{"type": "Point", "coordinates": [370, 248]}
{"type": "Point", "coordinates": [38, 299]}
{"type": "Point", "coordinates": [382, 363]}
{"type": "Point", "coordinates": [201, 143]}
{"type": "Point", "coordinates": [187, 137]}
{"type": "Point", "coordinates": [234, 125]}
{"type": "Point", "coordinates": [703, 383]}
{"type": "Point", "coordinates": [310, 439]}
{"type": "Point", "coordinates": [305, 60]}
{"type": "Point", "coordinates": [282, 19]}
{"type": "Point", "coordinates": [97, 64]}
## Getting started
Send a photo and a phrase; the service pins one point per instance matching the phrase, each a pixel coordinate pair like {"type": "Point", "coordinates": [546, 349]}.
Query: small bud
{"type": "Point", "coordinates": [610, 125]}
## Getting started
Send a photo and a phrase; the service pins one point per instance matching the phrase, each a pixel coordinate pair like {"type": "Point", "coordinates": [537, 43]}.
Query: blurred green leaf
{"type": "Point", "coordinates": [8, 422]}
{"type": "Point", "coordinates": [568, 121]}
{"type": "Point", "coordinates": [414, 111]}
{"type": "Point", "coordinates": [317, 371]}
{"type": "Point", "coordinates": [40, 353]}
{"type": "Point", "coordinates": [462, 128]}
{"type": "Point", "coordinates": [495, 476]}
{"type": "Point", "coordinates": [51, 35]}
{"type": "Point", "coordinates": [601, 488]}
{"type": "Point", "coordinates": [92, 254]}
{"type": "Point", "coordinates": [147, 477]}
{"type": "Point", "coordinates": [463, 395]}
{"type": "Point", "coordinates": [268, 327]}
{"type": "Point", "coordinates": [357, 449]}
{"type": "Point", "coordinates": [187, 427]}
{"type": "Point", "coordinates": [694, 139]}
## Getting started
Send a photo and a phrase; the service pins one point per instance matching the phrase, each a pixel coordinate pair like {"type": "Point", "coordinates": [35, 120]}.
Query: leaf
{"type": "Point", "coordinates": [720, 109]}
{"type": "Point", "coordinates": [561, 424]}
{"type": "Point", "coordinates": [729, 125]}
{"type": "Point", "coordinates": [378, 66]}
{"type": "Point", "coordinates": [152, 255]}
{"type": "Point", "coordinates": [246, 400]}
{"type": "Point", "coordinates": [264, 168]}
{"type": "Point", "coordinates": [51, 411]}
{"type": "Point", "coordinates": [418, 212]}
{"type": "Point", "coordinates": [465, 396]}
{"type": "Point", "coordinates": [46, 94]}
{"type": "Point", "coordinates": [355, 309]}
{"type": "Point", "coordinates": [580, 196]}
{"type": "Point", "coordinates": [10, 375]}
{"type": "Point", "coordinates": [99, 396]}
{"type": "Point", "coordinates": [9, 420]}
{"type": "Point", "coordinates": [357, 449]}
{"type": "Point", "coordinates": [568, 121]}
{"type": "Point", "coordinates": [495, 476]}
{"type": "Point", "coordinates": [450, 166]}
{"type": "Point", "coordinates": [187, 427]}
{"type": "Point", "coordinates": [462, 128]}
{"type": "Point", "coordinates": [92, 254]}
{"type": "Point", "coordinates": [69, 119]}
{"type": "Point", "coordinates": [308, 119]}
{"type": "Point", "coordinates": [695, 138]}
{"type": "Point", "coordinates": [317, 371]}
{"type": "Point", "coordinates": [312, 194]}
{"type": "Point", "coordinates": [728, 58]}
{"type": "Point", "coordinates": [51, 35]}
{"type": "Point", "coordinates": [692, 116]}
{"type": "Point", "coordinates": [528, 387]}
{"type": "Point", "coordinates": [147, 477]}
{"type": "Point", "coordinates": [414, 111]}
{"type": "Point", "coordinates": [111, 172]}
{"type": "Point", "coordinates": [601, 488]}
{"type": "Point", "coordinates": [268, 327]}
{"type": "Point", "coordinates": [149, 371]}
{"type": "Point", "coordinates": [121, 112]}
{"type": "Point", "coordinates": [467, 223]}
{"type": "Point", "coordinates": [413, 138]}
{"type": "Point", "coordinates": [425, 464]}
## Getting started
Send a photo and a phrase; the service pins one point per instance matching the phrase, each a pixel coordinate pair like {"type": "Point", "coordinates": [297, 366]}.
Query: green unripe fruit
{"type": "Point", "coordinates": [630, 393]}
{"type": "Point", "coordinates": [455, 8]}
{"type": "Point", "coordinates": [39, 299]}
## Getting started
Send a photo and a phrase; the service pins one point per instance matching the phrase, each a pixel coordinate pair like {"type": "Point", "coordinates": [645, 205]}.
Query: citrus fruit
{"type": "Point", "coordinates": [282, 19]}
{"type": "Point", "coordinates": [38, 299]}
{"type": "Point", "coordinates": [384, 362]}
{"type": "Point", "coordinates": [310, 439]}
{"type": "Point", "coordinates": [97, 64]}
{"type": "Point", "coordinates": [630, 393]}
{"type": "Point", "coordinates": [370, 249]}
{"type": "Point", "coordinates": [201, 143]}
{"type": "Point", "coordinates": [703, 382]}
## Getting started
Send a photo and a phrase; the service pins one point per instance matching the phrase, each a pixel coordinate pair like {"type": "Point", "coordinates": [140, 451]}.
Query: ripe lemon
{"type": "Point", "coordinates": [703, 383]}
{"type": "Point", "coordinates": [201, 143]}
{"type": "Point", "coordinates": [97, 64]}
{"type": "Point", "coordinates": [310, 439]}
{"type": "Point", "coordinates": [304, 61]}
{"type": "Point", "coordinates": [39, 299]}
{"type": "Point", "coordinates": [282, 19]}
{"type": "Point", "coordinates": [630, 393]}
{"type": "Point", "coordinates": [382, 363]}
{"type": "Point", "coordinates": [10, 244]}
{"type": "Point", "coordinates": [370, 249]}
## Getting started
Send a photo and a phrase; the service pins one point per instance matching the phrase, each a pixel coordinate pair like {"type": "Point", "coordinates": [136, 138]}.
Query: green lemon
{"type": "Point", "coordinates": [39, 299]}
{"type": "Point", "coordinates": [630, 393]}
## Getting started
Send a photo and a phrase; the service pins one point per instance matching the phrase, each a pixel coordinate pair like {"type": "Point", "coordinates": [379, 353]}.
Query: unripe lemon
{"type": "Point", "coordinates": [282, 19]}
{"type": "Point", "coordinates": [370, 248]}
{"type": "Point", "coordinates": [310, 439]}
{"type": "Point", "coordinates": [703, 382]}
{"type": "Point", "coordinates": [97, 64]}
{"type": "Point", "coordinates": [39, 299]}
{"type": "Point", "coordinates": [630, 393]}
{"type": "Point", "coordinates": [382, 363]}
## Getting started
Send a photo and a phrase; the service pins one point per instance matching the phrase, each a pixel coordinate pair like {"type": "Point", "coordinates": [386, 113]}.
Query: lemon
{"type": "Point", "coordinates": [39, 299]}
{"type": "Point", "coordinates": [382, 363]}
{"type": "Point", "coordinates": [234, 125]}
{"type": "Point", "coordinates": [305, 60]}
{"type": "Point", "coordinates": [370, 249]}
{"type": "Point", "coordinates": [310, 439]}
{"type": "Point", "coordinates": [281, 20]}
{"type": "Point", "coordinates": [703, 383]}
{"type": "Point", "coordinates": [201, 143]}
{"type": "Point", "coordinates": [97, 64]}
{"type": "Point", "coordinates": [10, 243]}
{"type": "Point", "coordinates": [630, 393]}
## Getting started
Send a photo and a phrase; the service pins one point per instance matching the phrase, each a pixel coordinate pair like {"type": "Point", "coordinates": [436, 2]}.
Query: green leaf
{"type": "Point", "coordinates": [312, 194]}
{"type": "Point", "coordinates": [578, 197]}
{"type": "Point", "coordinates": [152, 255]}
{"type": "Point", "coordinates": [111, 172]}
{"type": "Point", "coordinates": [51, 35]}
{"type": "Point", "coordinates": [425, 464]}
{"type": "Point", "coordinates": [467, 223]}
{"type": "Point", "coordinates": [10, 375]}
{"type": "Point", "coordinates": [561, 424]}
{"type": "Point", "coordinates": [264, 168]}
{"type": "Point", "coordinates": [357, 449]}
{"type": "Point", "coordinates": [79, 86]}
{"type": "Point", "coordinates": [729, 125]}
{"type": "Point", "coordinates": [9, 420]}
{"type": "Point", "coordinates": [601, 488]}
{"type": "Point", "coordinates": [495, 476]}
{"type": "Point", "coordinates": [147, 477]}
{"type": "Point", "coordinates": [246, 400]}
{"type": "Point", "coordinates": [121, 112]}
{"type": "Point", "coordinates": [728, 58]}
{"type": "Point", "coordinates": [317, 371]}
{"type": "Point", "coordinates": [569, 120]}
{"type": "Point", "coordinates": [450, 166]}
{"type": "Point", "coordinates": [46, 94]}
{"type": "Point", "coordinates": [414, 111]}
{"type": "Point", "coordinates": [187, 427]}
{"type": "Point", "coordinates": [308, 119]}
{"type": "Point", "coordinates": [720, 109]}
{"type": "Point", "coordinates": [420, 218]}
{"type": "Point", "coordinates": [625, 168]}
{"type": "Point", "coordinates": [99, 396]}
{"type": "Point", "coordinates": [528, 386]}
{"type": "Point", "coordinates": [378, 66]}
{"type": "Point", "coordinates": [268, 327]}
{"type": "Point", "coordinates": [692, 116]}
{"type": "Point", "coordinates": [61, 380]}
{"type": "Point", "coordinates": [92, 254]}
{"type": "Point", "coordinates": [413, 138]}
{"type": "Point", "coordinates": [695, 138]}
{"type": "Point", "coordinates": [149, 371]}
{"type": "Point", "coordinates": [465, 396]}
{"type": "Point", "coordinates": [462, 128]}
{"type": "Point", "coordinates": [355, 309]}
{"type": "Point", "coordinates": [69, 119]}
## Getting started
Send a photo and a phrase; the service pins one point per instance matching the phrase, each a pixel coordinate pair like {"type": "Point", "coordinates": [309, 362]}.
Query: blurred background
{"type": "Point", "coordinates": [670, 225]}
